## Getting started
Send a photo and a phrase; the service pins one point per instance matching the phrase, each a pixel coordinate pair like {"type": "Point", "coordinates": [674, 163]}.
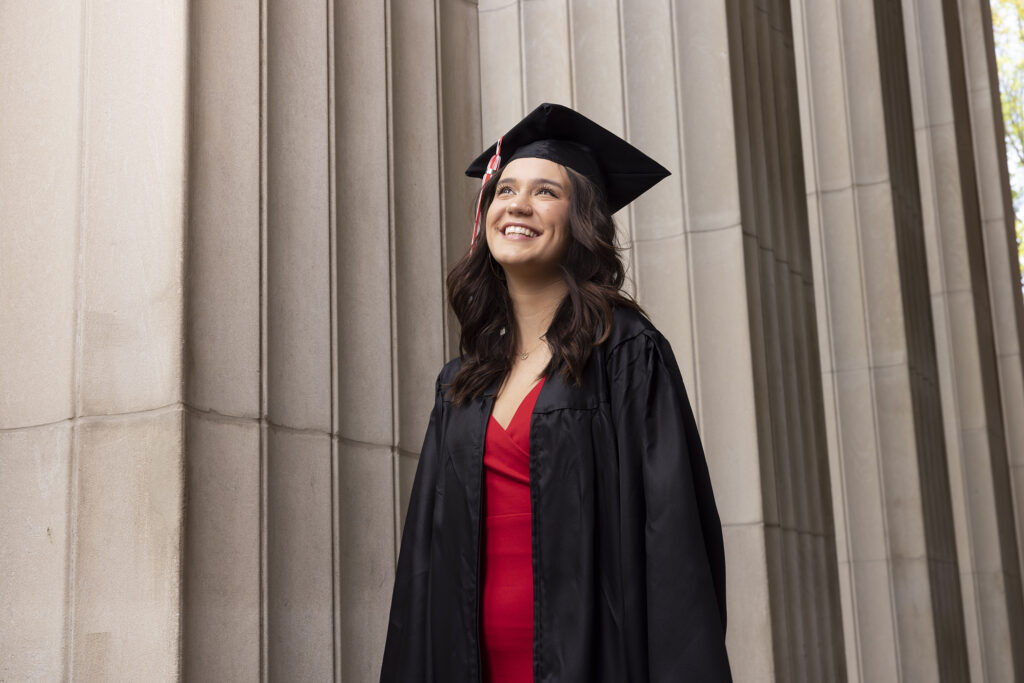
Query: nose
{"type": "Point", "coordinates": [519, 205]}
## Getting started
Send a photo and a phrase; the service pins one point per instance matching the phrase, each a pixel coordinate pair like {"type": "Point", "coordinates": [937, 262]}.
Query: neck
{"type": "Point", "coordinates": [534, 304]}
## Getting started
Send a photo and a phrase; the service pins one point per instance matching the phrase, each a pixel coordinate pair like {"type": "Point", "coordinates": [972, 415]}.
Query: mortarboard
{"type": "Point", "coordinates": [563, 135]}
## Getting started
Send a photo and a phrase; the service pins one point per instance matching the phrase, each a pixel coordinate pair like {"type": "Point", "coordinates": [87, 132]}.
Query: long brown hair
{"type": "Point", "coordinates": [592, 269]}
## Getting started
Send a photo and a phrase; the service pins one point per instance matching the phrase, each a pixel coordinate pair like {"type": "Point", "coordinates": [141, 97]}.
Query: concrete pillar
{"type": "Point", "coordinates": [995, 206]}
{"type": "Point", "coordinates": [223, 601]}
{"type": "Point", "coordinates": [806, 621]}
{"type": "Point", "coordinates": [127, 445]}
{"type": "Point", "coordinates": [321, 216]}
{"type": "Point", "coordinates": [301, 460]}
{"type": "Point", "coordinates": [895, 543]}
{"type": "Point", "coordinates": [91, 451]}
{"type": "Point", "coordinates": [40, 135]}
{"type": "Point", "coordinates": [975, 436]}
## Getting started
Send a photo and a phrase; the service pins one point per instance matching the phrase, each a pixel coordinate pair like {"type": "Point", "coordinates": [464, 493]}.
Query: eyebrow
{"type": "Point", "coordinates": [539, 181]}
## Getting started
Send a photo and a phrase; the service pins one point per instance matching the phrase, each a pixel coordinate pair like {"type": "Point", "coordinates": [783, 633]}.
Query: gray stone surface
{"type": "Point", "coordinates": [417, 232]}
{"type": "Point", "coordinates": [364, 238]}
{"type": "Point", "coordinates": [874, 346]}
{"type": "Point", "coordinates": [35, 477]}
{"type": "Point", "coordinates": [127, 513]}
{"type": "Point", "coordinates": [459, 103]}
{"type": "Point", "coordinates": [995, 208]}
{"type": "Point", "coordinates": [596, 62]}
{"type": "Point", "coordinates": [300, 608]}
{"type": "Point", "coordinates": [779, 317]}
{"type": "Point", "coordinates": [502, 100]}
{"type": "Point", "coordinates": [966, 353]}
{"type": "Point", "coordinates": [91, 297]}
{"type": "Point", "coordinates": [711, 197]}
{"type": "Point", "coordinates": [298, 227]}
{"type": "Point", "coordinates": [225, 204]}
{"type": "Point", "coordinates": [724, 396]}
{"type": "Point", "coordinates": [366, 550]}
{"type": "Point", "coordinates": [652, 120]}
{"type": "Point", "coordinates": [223, 541]}
{"type": "Point", "coordinates": [747, 583]}
{"type": "Point", "coordinates": [544, 48]}
{"type": "Point", "coordinates": [130, 303]}
{"type": "Point", "coordinates": [39, 175]}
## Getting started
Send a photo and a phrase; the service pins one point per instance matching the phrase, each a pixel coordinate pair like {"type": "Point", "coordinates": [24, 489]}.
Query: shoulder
{"type": "Point", "coordinates": [450, 369]}
{"type": "Point", "coordinates": [448, 372]}
{"type": "Point", "coordinates": [636, 347]}
{"type": "Point", "coordinates": [631, 329]}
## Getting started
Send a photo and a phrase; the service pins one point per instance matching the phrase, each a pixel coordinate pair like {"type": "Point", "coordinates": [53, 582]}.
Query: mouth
{"type": "Point", "coordinates": [514, 231]}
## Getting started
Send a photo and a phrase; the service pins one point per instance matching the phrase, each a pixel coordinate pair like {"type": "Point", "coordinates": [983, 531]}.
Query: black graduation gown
{"type": "Point", "coordinates": [628, 561]}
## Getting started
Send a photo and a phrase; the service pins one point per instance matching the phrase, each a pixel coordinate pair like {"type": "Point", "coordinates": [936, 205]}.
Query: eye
{"type": "Point", "coordinates": [547, 190]}
{"type": "Point", "coordinates": [504, 189]}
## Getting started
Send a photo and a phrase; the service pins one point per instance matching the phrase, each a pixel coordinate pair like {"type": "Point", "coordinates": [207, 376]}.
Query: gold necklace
{"type": "Point", "coordinates": [526, 354]}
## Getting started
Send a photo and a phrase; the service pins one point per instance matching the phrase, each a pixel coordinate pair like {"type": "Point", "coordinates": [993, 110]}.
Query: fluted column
{"type": "Point", "coordinates": [223, 601]}
{"type": "Point", "coordinates": [801, 548]}
{"type": "Point", "coordinates": [896, 550]}
{"type": "Point", "coordinates": [37, 342]}
{"type": "Point", "coordinates": [995, 206]}
{"type": "Point", "coordinates": [91, 455]}
{"type": "Point", "coordinates": [328, 147]}
{"type": "Point", "coordinates": [973, 419]}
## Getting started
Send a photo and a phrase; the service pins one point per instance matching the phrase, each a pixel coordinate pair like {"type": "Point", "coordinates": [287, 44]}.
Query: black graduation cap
{"type": "Point", "coordinates": [562, 135]}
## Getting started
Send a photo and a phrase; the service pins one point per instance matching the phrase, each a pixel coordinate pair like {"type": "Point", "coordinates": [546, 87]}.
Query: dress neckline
{"type": "Point", "coordinates": [519, 408]}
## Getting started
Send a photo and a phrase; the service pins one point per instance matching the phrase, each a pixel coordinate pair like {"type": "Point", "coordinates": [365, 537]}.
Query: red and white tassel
{"type": "Point", "coordinates": [492, 167]}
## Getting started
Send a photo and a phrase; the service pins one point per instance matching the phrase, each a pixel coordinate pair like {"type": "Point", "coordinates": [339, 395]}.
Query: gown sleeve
{"type": "Point", "coordinates": [406, 652]}
{"type": "Point", "coordinates": [682, 534]}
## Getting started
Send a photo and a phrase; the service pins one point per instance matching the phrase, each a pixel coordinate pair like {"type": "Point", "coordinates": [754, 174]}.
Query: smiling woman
{"type": "Point", "coordinates": [528, 219]}
{"type": "Point", "coordinates": [561, 525]}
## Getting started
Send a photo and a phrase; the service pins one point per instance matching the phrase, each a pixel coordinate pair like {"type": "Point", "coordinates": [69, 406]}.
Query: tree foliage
{"type": "Point", "coordinates": [1008, 31]}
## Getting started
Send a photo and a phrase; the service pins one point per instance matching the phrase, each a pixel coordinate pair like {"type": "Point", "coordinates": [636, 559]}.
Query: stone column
{"type": "Point", "coordinates": [995, 205]}
{"type": "Point", "coordinates": [223, 601]}
{"type": "Point", "coordinates": [92, 172]}
{"type": "Point", "coordinates": [40, 139]}
{"type": "Point", "coordinates": [806, 625]}
{"type": "Point", "coordinates": [896, 549]}
{"type": "Point", "coordinates": [329, 142]}
{"type": "Point", "coordinates": [975, 436]}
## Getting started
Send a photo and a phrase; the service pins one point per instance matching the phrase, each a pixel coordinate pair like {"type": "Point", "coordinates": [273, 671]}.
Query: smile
{"type": "Point", "coordinates": [511, 231]}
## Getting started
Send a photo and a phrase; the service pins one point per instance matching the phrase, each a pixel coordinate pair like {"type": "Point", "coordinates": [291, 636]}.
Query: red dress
{"type": "Point", "coordinates": [507, 562]}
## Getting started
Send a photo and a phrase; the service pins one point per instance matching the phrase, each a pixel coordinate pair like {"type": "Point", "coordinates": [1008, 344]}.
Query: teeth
{"type": "Point", "coordinates": [520, 230]}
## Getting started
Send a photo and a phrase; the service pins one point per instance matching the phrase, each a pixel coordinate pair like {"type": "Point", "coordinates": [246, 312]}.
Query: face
{"type": "Point", "coordinates": [528, 221]}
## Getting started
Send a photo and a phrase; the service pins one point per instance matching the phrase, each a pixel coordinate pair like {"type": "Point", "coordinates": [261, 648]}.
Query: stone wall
{"type": "Point", "coordinates": [224, 232]}
{"type": "Point", "coordinates": [93, 148]}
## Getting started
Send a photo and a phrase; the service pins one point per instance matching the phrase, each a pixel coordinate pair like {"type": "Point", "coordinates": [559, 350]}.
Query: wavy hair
{"type": "Point", "coordinates": [592, 269]}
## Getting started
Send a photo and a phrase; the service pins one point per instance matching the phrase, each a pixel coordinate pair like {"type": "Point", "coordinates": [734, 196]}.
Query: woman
{"type": "Point", "coordinates": [561, 525]}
